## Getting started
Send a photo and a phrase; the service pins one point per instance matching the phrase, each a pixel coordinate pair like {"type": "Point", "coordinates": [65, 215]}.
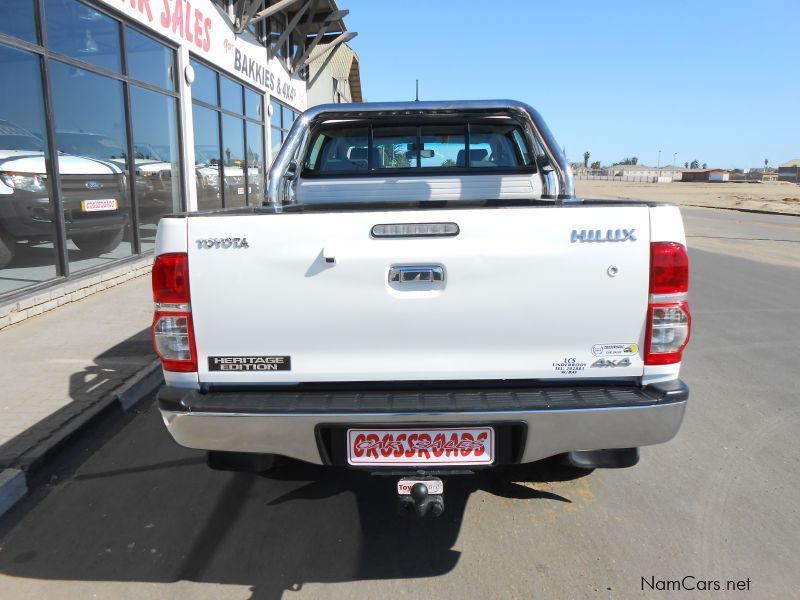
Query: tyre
{"type": "Point", "coordinates": [99, 243]}
{"type": "Point", "coordinates": [8, 247]}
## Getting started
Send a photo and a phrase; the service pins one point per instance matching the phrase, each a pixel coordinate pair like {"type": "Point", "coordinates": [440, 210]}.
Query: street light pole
{"type": "Point", "coordinates": [674, 156]}
{"type": "Point", "coordinates": [659, 160]}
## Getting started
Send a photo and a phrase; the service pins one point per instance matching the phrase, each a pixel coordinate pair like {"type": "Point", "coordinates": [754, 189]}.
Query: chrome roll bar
{"type": "Point", "coordinates": [549, 157]}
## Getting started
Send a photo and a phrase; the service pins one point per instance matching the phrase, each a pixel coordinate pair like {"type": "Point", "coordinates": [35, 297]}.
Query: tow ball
{"type": "Point", "coordinates": [421, 496]}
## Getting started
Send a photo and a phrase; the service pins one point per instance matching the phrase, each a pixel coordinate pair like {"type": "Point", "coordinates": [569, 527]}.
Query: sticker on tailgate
{"type": "Point", "coordinates": [249, 363]}
{"type": "Point", "coordinates": [444, 446]}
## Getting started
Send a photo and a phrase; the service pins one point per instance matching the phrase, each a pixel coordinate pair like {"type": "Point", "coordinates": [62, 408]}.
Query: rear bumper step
{"type": "Point", "coordinates": [421, 400]}
{"type": "Point", "coordinates": [552, 419]}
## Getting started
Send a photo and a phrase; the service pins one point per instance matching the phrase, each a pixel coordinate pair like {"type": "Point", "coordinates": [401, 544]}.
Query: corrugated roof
{"type": "Point", "coordinates": [343, 65]}
{"type": "Point", "coordinates": [792, 163]}
{"type": "Point", "coordinates": [339, 64]}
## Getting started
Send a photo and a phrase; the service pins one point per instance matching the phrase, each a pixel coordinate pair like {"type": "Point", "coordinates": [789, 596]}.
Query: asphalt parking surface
{"type": "Point", "coordinates": [129, 514]}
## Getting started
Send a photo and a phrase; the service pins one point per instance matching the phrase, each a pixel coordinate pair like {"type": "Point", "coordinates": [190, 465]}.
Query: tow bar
{"type": "Point", "coordinates": [420, 496]}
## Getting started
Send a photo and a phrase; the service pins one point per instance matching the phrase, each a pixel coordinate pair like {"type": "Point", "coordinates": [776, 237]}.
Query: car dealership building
{"type": "Point", "coordinates": [200, 93]}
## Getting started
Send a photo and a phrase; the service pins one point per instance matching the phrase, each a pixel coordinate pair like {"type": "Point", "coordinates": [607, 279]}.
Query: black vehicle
{"type": "Point", "coordinates": [93, 192]}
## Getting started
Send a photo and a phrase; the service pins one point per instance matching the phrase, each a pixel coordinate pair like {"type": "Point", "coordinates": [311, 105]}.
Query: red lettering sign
{"type": "Point", "coordinates": [182, 19]}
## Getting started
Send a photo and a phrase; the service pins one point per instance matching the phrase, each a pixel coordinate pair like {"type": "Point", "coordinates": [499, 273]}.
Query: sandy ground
{"type": "Point", "coordinates": [778, 197]}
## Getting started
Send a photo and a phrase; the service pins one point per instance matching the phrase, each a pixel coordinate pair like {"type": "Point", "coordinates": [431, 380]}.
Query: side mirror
{"type": "Point", "coordinates": [544, 165]}
{"type": "Point", "coordinates": [292, 170]}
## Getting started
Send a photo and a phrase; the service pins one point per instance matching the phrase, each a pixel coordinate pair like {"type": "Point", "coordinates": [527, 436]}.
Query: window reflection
{"type": "Point", "coordinates": [204, 87]}
{"type": "Point", "coordinates": [90, 128]}
{"type": "Point", "coordinates": [444, 147]}
{"type": "Point", "coordinates": [231, 93]}
{"type": "Point", "coordinates": [92, 142]}
{"type": "Point", "coordinates": [393, 148]}
{"type": "Point", "coordinates": [27, 231]}
{"type": "Point", "coordinates": [275, 119]}
{"type": "Point", "coordinates": [229, 173]}
{"type": "Point", "coordinates": [276, 138]}
{"type": "Point", "coordinates": [233, 161]}
{"type": "Point", "coordinates": [148, 60]}
{"type": "Point", "coordinates": [281, 121]}
{"type": "Point", "coordinates": [79, 31]}
{"type": "Point", "coordinates": [255, 164]}
{"type": "Point", "coordinates": [493, 146]}
{"type": "Point", "coordinates": [287, 117]}
{"type": "Point", "coordinates": [207, 160]}
{"type": "Point", "coordinates": [156, 158]}
{"type": "Point", "coordinates": [255, 102]}
{"type": "Point", "coordinates": [16, 18]}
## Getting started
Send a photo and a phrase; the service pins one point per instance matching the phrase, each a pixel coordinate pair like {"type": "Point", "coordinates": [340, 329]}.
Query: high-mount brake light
{"type": "Point", "coordinates": [668, 318]}
{"type": "Point", "coordinates": [173, 332]}
{"type": "Point", "coordinates": [400, 230]}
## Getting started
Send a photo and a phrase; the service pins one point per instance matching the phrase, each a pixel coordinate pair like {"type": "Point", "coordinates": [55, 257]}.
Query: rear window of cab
{"type": "Point", "coordinates": [338, 149]}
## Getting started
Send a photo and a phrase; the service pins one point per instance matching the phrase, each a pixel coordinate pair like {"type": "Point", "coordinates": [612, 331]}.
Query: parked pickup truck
{"type": "Point", "coordinates": [422, 293]}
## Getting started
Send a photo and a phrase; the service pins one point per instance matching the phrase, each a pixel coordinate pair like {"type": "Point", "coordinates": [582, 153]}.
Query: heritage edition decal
{"type": "Point", "coordinates": [249, 363]}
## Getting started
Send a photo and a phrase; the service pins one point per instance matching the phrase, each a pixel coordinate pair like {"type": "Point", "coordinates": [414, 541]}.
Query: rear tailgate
{"type": "Point", "coordinates": [521, 296]}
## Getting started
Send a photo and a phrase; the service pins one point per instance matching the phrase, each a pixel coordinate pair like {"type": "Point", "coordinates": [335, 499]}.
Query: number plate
{"type": "Point", "coordinates": [96, 205]}
{"type": "Point", "coordinates": [402, 447]}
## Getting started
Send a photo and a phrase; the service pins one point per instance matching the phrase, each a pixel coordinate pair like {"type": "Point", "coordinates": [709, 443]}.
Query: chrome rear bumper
{"type": "Point", "coordinates": [195, 421]}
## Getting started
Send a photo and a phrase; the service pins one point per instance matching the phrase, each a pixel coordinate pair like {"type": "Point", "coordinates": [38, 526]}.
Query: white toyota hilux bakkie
{"type": "Point", "coordinates": [422, 295]}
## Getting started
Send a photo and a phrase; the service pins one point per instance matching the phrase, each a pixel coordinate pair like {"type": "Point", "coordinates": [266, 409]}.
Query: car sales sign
{"type": "Point", "coordinates": [405, 447]}
{"type": "Point", "coordinates": [205, 30]}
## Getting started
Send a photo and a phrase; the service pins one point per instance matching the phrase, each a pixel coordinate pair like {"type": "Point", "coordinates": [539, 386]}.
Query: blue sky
{"type": "Point", "coordinates": [711, 80]}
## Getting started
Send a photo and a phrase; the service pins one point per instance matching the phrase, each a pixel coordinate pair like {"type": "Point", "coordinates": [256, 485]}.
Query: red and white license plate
{"type": "Point", "coordinates": [95, 205]}
{"type": "Point", "coordinates": [442, 446]}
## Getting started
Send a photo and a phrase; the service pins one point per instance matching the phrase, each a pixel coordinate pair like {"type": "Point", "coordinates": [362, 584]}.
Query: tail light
{"type": "Point", "coordinates": [173, 332]}
{"type": "Point", "coordinates": [668, 318]}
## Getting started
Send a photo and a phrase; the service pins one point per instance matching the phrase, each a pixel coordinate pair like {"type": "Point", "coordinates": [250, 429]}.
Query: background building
{"type": "Point", "coordinates": [790, 171]}
{"type": "Point", "coordinates": [333, 75]}
{"type": "Point", "coordinates": [123, 111]}
{"type": "Point", "coordinates": [628, 172]}
{"type": "Point", "coordinates": [712, 175]}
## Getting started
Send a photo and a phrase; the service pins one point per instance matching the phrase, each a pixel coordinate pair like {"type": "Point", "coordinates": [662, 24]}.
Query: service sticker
{"type": "Point", "coordinates": [615, 349]}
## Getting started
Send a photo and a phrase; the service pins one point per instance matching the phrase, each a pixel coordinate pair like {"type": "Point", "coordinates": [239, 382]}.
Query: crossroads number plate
{"type": "Point", "coordinates": [97, 205]}
{"type": "Point", "coordinates": [403, 447]}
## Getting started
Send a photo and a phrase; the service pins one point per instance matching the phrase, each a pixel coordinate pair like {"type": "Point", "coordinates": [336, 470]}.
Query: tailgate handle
{"type": "Point", "coordinates": [416, 273]}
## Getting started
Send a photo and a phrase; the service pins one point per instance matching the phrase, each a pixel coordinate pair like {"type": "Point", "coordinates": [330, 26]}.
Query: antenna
{"type": "Point", "coordinates": [417, 98]}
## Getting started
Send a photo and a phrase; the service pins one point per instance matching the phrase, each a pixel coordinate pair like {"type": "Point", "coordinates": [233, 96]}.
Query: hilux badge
{"type": "Point", "coordinates": [603, 235]}
{"type": "Point", "coordinates": [93, 185]}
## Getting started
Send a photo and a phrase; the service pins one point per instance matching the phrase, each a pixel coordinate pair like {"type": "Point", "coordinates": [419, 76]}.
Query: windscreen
{"type": "Point", "coordinates": [357, 149]}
